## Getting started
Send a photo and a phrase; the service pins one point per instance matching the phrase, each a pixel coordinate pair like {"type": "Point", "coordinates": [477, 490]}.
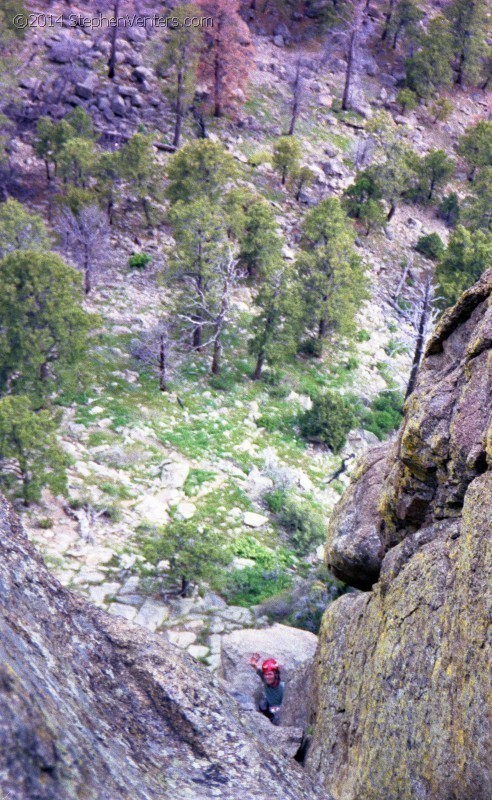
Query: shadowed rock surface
{"type": "Point", "coordinates": [94, 708]}
{"type": "Point", "coordinates": [403, 686]}
{"type": "Point", "coordinates": [355, 543]}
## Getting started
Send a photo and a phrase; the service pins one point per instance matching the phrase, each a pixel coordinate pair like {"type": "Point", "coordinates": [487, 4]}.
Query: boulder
{"type": "Point", "coordinates": [142, 74]}
{"type": "Point", "coordinates": [118, 106]}
{"type": "Point", "coordinates": [354, 546]}
{"type": "Point", "coordinates": [253, 520]}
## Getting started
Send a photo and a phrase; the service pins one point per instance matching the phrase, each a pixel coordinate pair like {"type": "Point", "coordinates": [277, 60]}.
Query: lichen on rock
{"type": "Point", "coordinates": [403, 685]}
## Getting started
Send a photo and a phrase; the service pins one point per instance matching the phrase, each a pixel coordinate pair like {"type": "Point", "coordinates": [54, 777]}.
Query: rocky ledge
{"type": "Point", "coordinates": [94, 707]}
{"type": "Point", "coordinates": [403, 685]}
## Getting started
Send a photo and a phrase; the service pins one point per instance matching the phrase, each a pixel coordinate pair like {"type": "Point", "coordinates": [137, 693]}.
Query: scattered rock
{"type": "Point", "coordinates": [152, 614]}
{"type": "Point", "coordinates": [182, 639]}
{"type": "Point", "coordinates": [121, 610]}
{"type": "Point", "coordinates": [186, 509]}
{"type": "Point", "coordinates": [253, 520]}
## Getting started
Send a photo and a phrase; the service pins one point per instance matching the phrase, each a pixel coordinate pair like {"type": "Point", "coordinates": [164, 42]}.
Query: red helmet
{"type": "Point", "coordinates": [270, 665]}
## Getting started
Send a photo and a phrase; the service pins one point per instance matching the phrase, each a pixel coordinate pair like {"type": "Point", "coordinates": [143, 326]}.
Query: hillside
{"type": "Point", "coordinates": [223, 253]}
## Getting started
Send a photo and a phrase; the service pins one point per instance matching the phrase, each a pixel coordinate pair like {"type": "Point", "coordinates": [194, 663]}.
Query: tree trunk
{"type": "Point", "coordinates": [184, 586]}
{"type": "Point", "coordinates": [419, 346]}
{"type": "Point", "coordinates": [114, 38]}
{"type": "Point", "coordinates": [179, 109]}
{"type": "Point", "coordinates": [43, 372]}
{"type": "Point", "coordinates": [322, 328]}
{"type": "Point", "coordinates": [217, 352]}
{"type": "Point", "coordinates": [146, 210]}
{"type": "Point", "coordinates": [162, 366]}
{"type": "Point", "coordinates": [110, 209]}
{"type": "Point", "coordinates": [391, 212]}
{"type": "Point", "coordinates": [26, 482]}
{"type": "Point", "coordinates": [296, 97]}
{"type": "Point", "coordinates": [259, 366]}
{"type": "Point", "coordinates": [197, 338]}
{"type": "Point", "coordinates": [217, 85]}
{"type": "Point", "coordinates": [459, 76]}
{"type": "Point", "coordinates": [397, 33]}
{"type": "Point", "coordinates": [348, 73]}
{"type": "Point", "coordinates": [388, 17]}
{"type": "Point", "coordinates": [87, 272]}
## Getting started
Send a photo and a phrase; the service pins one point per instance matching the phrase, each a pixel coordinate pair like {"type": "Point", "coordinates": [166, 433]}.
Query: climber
{"type": "Point", "coordinates": [273, 687]}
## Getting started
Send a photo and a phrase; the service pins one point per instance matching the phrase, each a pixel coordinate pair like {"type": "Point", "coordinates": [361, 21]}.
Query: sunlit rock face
{"type": "Point", "coordinates": [94, 708]}
{"type": "Point", "coordinates": [403, 682]}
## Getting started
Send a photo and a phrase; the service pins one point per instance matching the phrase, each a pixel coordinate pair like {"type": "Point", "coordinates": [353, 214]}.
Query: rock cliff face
{"type": "Point", "coordinates": [94, 708]}
{"type": "Point", "coordinates": [403, 682]}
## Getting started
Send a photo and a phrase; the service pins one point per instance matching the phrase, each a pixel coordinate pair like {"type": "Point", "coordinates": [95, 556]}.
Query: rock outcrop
{"type": "Point", "coordinates": [95, 708]}
{"type": "Point", "coordinates": [403, 687]}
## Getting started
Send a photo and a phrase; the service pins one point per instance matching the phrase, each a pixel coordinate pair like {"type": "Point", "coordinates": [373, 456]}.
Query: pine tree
{"type": "Point", "coordinates": [276, 325]}
{"type": "Point", "coordinates": [29, 448]}
{"type": "Point", "coordinates": [44, 328]}
{"type": "Point", "coordinates": [200, 169]}
{"type": "Point", "coordinates": [362, 201]}
{"type": "Point", "coordinates": [139, 168]}
{"type": "Point", "coordinates": [404, 21]}
{"type": "Point", "coordinates": [470, 28]}
{"type": "Point", "coordinates": [20, 230]}
{"type": "Point", "coordinates": [330, 270]}
{"type": "Point", "coordinates": [251, 222]}
{"type": "Point", "coordinates": [429, 69]}
{"type": "Point", "coordinates": [477, 208]}
{"type": "Point", "coordinates": [51, 137]}
{"type": "Point", "coordinates": [194, 553]}
{"type": "Point", "coordinates": [227, 58]}
{"type": "Point", "coordinates": [287, 153]}
{"type": "Point", "coordinates": [469, 253]}
{"type": "Point", "coordinates": [76, 161]}
{"type": "Point", "coordinates": [475, 146]}
{"type": "Point", "coordinates": [179, 65]}
{"type": "Point", "coordinates": [108, 176]}
{"type": "Point", "coordinates": [434, 171]}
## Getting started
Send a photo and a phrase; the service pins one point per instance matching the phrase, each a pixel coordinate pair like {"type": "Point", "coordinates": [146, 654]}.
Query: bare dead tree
{"type": "Point", "coordinates": [420, 313]}
{"type": "Point", "coordinates": [211, 309]}
{"type": "Point", "coordinates": [297, 87]}
{"type": "Point", "coordinates": [355, 23]}
{"type": "Point", "coordinates": [87, 234]}
{"type": "Point", "coordinates": [114, 40]}
{"type": "Point", "coordinates": [156, 348]}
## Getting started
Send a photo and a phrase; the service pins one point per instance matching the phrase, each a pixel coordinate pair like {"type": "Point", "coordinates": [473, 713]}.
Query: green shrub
{"type": "Point", "coordinates": [250, 586]}
{"type": "Point", "coordinates": [45, 523]}
{"type": "Point", "coordinates": [430, 246]}
{"type": "Point", "coordinates": [303, 522]}
{"type": "Point", "coordinates": [275, 500]}
{"type": "Point", "coordinates": [407, 99]}
{"type": "Point", "coordinates": [328, 421]}
{"type": "Point", "coordinates": [312, 347]}
{"type": "Point", "coordinates": [363, 336]}
{"type": "Point", "coordinates": [279, 392]}
{"type": "Point", "coordinates": [265, 557]}
{"type": "Point", "coordinates": [259, 158]}
{"type": "Point", "coordinates": [139, 260]}
{"type": "Point", "coordinates": [195, 479]}
{"type": "Point", "coordinates": [385, 414]}
{"type": "Point", "coordinates": [449, 209]}
{"type": "Point", "coordinates": [224, 382]}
